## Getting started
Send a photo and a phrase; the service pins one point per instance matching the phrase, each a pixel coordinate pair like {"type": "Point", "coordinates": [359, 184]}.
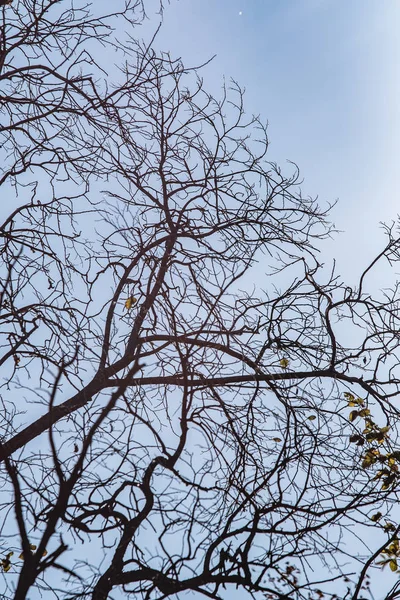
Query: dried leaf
{"type": "Point", "coordinates": [129, 302]}
{"type": "Point", "coordinates": [356, 439]}
{"type": "Point", "coordinates": [388, 482]}
{"type": "Point", "coordinates": [376, 517]}
{"type": "Point", "coordinates": [353, 415]}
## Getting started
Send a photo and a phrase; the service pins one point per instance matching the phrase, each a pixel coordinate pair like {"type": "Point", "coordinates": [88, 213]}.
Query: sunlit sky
{"type": "Point", "coordinates": [324, 74]}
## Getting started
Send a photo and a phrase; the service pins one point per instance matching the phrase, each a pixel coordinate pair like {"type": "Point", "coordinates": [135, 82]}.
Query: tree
{"type": "Point", "coordinates": [189, 402]}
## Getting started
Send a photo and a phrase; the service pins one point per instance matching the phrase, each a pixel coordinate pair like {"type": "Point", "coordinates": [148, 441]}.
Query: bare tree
{"type": "Point", "coordinates": [190, 403]}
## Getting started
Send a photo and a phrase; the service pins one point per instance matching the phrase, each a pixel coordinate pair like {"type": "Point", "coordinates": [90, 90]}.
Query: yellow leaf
{"type": "Point", "coordinates": [284, 363]}
{"type": "Point", "coordinates": [356, 402]}
{"type": "Point", "coordinates": [348, 396]}
{"type": "Point", "coordinates": [370, 458]}
{"type": "Point", "coordinates": [6, 563]}
{"type": "Point", "coordinates": [311, 418]}
{"type": "Point", "coordinates": [393, 564]}
{"type": "Point", "coordinates": [129, 302]}
{"type": "Point", "coordinates": [21, 556]}
{"type": "Point", "coordinates": [364, 412]}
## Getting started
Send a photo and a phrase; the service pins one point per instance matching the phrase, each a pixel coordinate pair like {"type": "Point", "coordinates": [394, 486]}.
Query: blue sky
{"type": "Point", "coordinates": [323, 73]}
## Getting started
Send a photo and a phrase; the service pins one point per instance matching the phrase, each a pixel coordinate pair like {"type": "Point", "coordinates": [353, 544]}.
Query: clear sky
{"type": "Point", "coordinates": [324, 73]}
